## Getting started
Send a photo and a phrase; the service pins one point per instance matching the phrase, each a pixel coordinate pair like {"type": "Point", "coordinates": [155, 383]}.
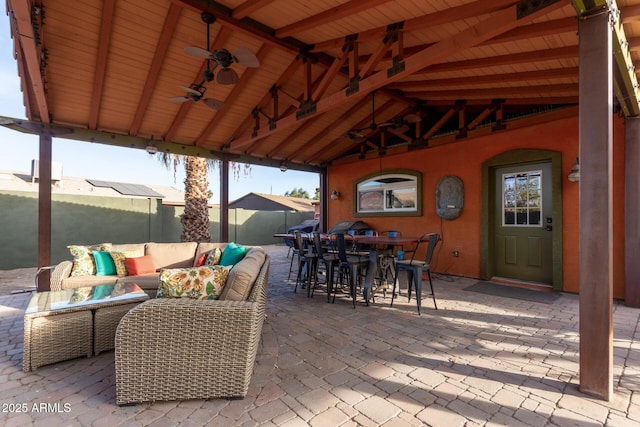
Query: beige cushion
{"type": "Point", "coordinates": [145, 281]}
{"type": "Point", "coordinates": [204, 247]}
{"type": "Point", "coordinates": [129, 247]}
{"type": "Point", "coordinates": [82, 281]}
{"type": "Point", "coordinates": [171, 255]}
{"type": "Point", "coordinates": [243, 275]}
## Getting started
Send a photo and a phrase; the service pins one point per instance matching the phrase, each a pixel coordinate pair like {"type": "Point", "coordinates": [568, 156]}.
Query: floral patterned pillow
{"type": "Point", "coordinates": [205, 283]}
{"type": "Point", "coordinates": [213, 258]}
{"type": "Point", "coordinates": [83, 263]}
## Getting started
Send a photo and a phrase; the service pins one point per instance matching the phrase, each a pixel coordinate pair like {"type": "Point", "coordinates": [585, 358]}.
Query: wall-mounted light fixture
{"type": "Point", "coordinates": [151, 147]}
{"type": "Point", "coordinates": [335, 194]}
{"type": "Point", "coordinates": [574, 175]}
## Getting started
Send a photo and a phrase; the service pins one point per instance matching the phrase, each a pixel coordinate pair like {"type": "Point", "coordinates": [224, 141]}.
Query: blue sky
{"type": "Point", "coordinates": [81, 159]}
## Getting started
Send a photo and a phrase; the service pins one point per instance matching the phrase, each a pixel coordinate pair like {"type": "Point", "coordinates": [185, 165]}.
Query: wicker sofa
{"type": "Point", "coordinates": [179, 348]}
{"type": "Point", "coordinates": [165, 255]}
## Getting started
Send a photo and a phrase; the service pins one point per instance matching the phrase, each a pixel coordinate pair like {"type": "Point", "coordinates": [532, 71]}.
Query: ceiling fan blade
{"type": "Point", "coordinates": [227, 76]}
{"type": "Point", "coordinates": [197, 52]}
{"type": "Point", "coordinates": [385, 124]}
{"type": "Point", "coordinates": [190, 90]}
{"type": "Point", "coordinates": [213, 103]}
{"type": "Point", "coordinates": [179, 99]}
{"type": "Point", "coordinates": [245, 57]}
{"type": "Point", "coordinates": [412, 118]}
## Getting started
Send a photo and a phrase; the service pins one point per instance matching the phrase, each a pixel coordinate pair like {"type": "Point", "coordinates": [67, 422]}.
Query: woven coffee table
{"type": "Point", "coordinates": [63, 325]}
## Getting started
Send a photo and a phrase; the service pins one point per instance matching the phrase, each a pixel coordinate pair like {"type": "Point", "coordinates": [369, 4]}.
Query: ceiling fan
{"type": "Point", "coordinates": [195, 92]}
{"type": "Point", "coordinates": [400, 123]}
{"type": "Point", "coordinates": [222, 58]}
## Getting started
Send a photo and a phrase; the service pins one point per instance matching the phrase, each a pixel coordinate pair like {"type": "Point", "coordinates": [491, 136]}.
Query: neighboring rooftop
{"type": "Point", "coordinates": [269, 202]}
{"type": "Point", "coordinates": [22, 181]}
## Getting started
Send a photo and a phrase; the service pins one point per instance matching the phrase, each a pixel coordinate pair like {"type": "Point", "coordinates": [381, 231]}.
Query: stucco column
{"type": "Point", "coordinates": [596, 206]}
{"type": "Point", "coordinates": [631, 208]}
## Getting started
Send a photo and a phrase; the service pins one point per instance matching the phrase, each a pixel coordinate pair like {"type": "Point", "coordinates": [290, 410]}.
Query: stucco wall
{"type": "Point", "coordinates": [89, 220]}
{"type": "Point", "coordinates": [464, 159]}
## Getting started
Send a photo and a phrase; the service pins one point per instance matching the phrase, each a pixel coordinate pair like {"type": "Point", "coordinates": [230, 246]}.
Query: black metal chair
{"type": "Point", "coordinates": [328, 260]}
{"type": "Point", "coordinates": [293, 247]}
{"type": "Point", "coordinates": [306, 263]}
{"type": "Point", "coordinates": [415, 268]}
{"type": "Point", "coordinates": [349, 267]}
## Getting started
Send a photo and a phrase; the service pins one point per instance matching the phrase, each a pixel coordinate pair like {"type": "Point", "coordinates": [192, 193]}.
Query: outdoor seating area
{"type": "Point", "coordinates": [479, 359]}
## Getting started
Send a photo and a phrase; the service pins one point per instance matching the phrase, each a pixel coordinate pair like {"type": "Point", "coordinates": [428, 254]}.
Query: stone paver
{"type": "Point", "coordinates": [477, 361]}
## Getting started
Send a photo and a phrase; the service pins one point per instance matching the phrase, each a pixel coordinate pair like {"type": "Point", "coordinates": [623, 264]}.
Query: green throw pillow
{"type": "Point", "coordinates": [232, 254]}
{"type": "Point", "coordinates": [104, 263]}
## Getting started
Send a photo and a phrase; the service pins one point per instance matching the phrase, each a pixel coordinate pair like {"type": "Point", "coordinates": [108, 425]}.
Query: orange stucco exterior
{"type": "Point", "coordinates": [464, 159]}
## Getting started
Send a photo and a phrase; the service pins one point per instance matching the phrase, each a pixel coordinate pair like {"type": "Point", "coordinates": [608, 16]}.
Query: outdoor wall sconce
{"type": "Point", "coordinates": [335, 194]}
{"type": "Point", "coordinates": [574, 175]}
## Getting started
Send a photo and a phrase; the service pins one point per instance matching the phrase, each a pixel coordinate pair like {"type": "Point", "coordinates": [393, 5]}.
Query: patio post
{"type": "Point", "coordinates": [224, 200]}
{"type": "Point", "coordinates": [596, 204]}
{"type": "Point", "coordinates": [44, 212]}
{"type": "Point", "coordinates": [632, 207]}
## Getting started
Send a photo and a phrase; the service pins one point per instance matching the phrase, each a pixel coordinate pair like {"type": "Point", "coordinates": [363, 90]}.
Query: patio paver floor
{"type": "Point", "coordinates": [477, 360]}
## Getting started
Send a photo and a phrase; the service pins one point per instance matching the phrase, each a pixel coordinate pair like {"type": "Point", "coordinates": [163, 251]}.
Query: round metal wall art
{"type": "Point", "coordinates": [449, 197]}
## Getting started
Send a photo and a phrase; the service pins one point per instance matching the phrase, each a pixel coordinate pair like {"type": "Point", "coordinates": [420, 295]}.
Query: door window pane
{"type": "Point", "coordinates": [522, 199]}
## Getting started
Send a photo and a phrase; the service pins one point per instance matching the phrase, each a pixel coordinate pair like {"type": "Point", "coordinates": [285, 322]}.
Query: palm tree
{"type": "Point", "coordinates": [195, 218]}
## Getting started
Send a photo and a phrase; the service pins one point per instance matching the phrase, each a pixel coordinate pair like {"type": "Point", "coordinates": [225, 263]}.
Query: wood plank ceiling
{"type": "Point", "coordinates": [428, 68]}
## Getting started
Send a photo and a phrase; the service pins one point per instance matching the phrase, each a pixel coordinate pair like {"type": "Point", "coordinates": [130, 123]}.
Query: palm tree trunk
{"type": "Point", "coordinates": [195, 219]}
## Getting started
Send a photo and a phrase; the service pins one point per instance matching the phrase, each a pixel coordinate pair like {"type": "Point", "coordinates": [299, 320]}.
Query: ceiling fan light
{"type": "Point", "coordinates": [227, 76]}
{"type": "Point", "coordinates": [412, 118]}
{"type": "Point", "coordinates": [213, 103]}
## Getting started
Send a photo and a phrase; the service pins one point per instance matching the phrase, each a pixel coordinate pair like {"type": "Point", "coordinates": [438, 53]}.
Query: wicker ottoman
{"type": "Point", "coordinates": [105, 323]}
{"type": "Point", "coordinates": [63, 325]}
{"type": "Point", "coordinates": [55, 338]}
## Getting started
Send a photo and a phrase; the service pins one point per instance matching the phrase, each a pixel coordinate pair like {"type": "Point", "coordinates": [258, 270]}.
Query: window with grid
{"type": "Point", "coordinates": [522, 199]}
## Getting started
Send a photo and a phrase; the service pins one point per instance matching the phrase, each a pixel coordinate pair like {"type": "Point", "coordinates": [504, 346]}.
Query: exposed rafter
{"type": "Point", "coordinates": [497, 23]}
{"type": "Point", "coordinates": [31, 52]}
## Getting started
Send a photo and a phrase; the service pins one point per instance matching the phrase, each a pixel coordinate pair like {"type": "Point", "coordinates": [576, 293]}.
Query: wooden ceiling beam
{"type": "Point", "coordinates": [538, 29]}
{"type": "Point", "coordinates": [438, 125]}
{"type": "Point", "coordinates": [220, 40]}
{"type": "Point", "coordinates": [545, 100]}
{"type": "Point", "coordinates": [520, 33]}
{"type": "Point", "coordinates": [291, 69]}
{"type": "Point", "coordinates": [170, 23]}
{"type": "Point", "coordinates": [482, 116]}
{"type": "Point", "coordinates": [291, 110]}
{"type": "Point", "coordinates": [26, 41]}
{"type": "Point", "coordinates": [104, 40]}
{"type": "Point", "coordinates": [232, 97]}
{"type": "Point", "coordinates": [384, 107]}
{"type": "Point", "coordinates": [442, 17]}
{"type": "Point", "coordinates": [273, 153]}
{"type": "Point", "coordinates": [500, 92]}
{"type": "Point", "coordinates": [357, 106]}
{"type": "Point", "coordinates": [498, 23]}
{"type": "Point", "coordinates": [247, 26]}
{"type": "Point", "coordinates": [474, 81]}
{"type": "Point", "coordinates": [569, 52]}
{"type": "Point", "coordinates": [342, 11]}
{"type": "Point", "coordinates": [334, 69]}
{"type": "Point", "coordinates": [248, 7]}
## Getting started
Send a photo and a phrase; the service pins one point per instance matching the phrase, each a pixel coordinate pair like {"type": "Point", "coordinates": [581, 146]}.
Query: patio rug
{"type": "Point", "coordinates": [532, 295]}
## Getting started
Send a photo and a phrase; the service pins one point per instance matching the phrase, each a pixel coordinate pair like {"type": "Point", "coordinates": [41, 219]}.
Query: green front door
{"type": "Point", "coordinates": [523, 223]}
